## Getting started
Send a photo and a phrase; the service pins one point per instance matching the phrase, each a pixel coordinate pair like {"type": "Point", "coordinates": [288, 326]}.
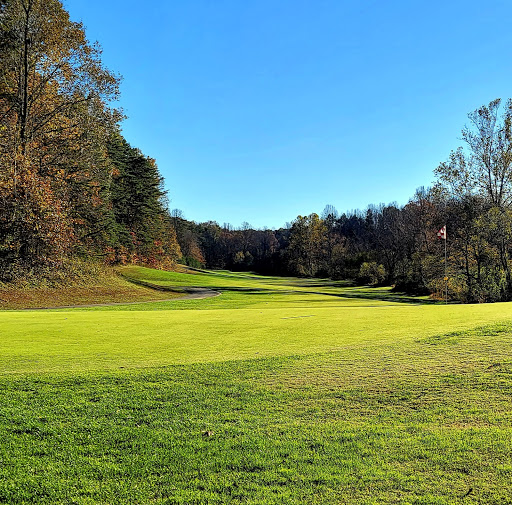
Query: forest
{"type": "Point", "coordinates": [73, 190]}
{"type": "Point", "coordinates": [392, 244]}
{"type": "Point", "coordinates": [71, 187]}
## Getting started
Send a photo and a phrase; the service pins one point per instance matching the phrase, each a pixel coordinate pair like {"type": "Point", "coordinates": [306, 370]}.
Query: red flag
{"type": "Point", "coordinates": [442, 233]}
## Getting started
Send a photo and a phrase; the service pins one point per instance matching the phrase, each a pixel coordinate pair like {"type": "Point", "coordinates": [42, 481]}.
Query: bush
{"type": "Point", "coordinates": [371, 273]}
{"type": "Point", "coordinates": [191, 261]}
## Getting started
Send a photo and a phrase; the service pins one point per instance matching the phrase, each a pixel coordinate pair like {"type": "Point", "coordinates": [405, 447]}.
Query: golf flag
{"type": "Point", "coordinates": [442, 233]}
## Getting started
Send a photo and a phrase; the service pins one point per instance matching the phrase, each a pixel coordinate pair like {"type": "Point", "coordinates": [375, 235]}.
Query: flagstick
{"type": "Point", "coordinates": [445, 276]}
{"type": "Point", "coordinates": [442, 235]}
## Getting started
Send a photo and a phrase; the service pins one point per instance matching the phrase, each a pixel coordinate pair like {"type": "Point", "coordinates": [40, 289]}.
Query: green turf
{"type": "Point", "coordinates": [272, 393]}
{"type": "Point", "coordinates": [254, 317]}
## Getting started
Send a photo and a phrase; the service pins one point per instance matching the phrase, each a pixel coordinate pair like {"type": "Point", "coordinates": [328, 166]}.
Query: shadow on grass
{"type": "Point", "coordinates": [251, 291]}
{"type": "Point", "coordinates": [366, 294]}
{"type": "Point", "coordinates": [384, 297]}
{"type": "Point", "coordinates": [315, 283]}
{"type": "Point", "coordinates": [349, 291]}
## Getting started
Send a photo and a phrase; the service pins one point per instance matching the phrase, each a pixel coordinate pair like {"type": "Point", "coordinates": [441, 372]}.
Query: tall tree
{"type": "Point", "coordinates": [485, 166]}
{"type": "Point", "coordinates": [145, 229]}
{"type": "Point", "coordinates": [307, 245]}
{"type": "Point", "coordinates": [484, 169]}
{"type": "Point", "coordinates": [54, 121]}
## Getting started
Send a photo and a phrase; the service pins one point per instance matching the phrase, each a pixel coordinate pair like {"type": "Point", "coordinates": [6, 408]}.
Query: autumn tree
{"type": "Point", "coordinates": [191, 252]}
{"type": "Point", "coordinates": [54, 121]}
{"type": "Point", "coordinates": [482, 171]}
{"type": "Point", "coordinates": [306, 251]}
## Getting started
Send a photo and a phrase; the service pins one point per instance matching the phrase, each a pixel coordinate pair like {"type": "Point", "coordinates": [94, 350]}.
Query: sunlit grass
{"type": "Point", "coordinates": [279, 391]}
{"type": "Point", "coordinates": [428, 421]}
{"type": "Point", "coordinates": [95, 340]}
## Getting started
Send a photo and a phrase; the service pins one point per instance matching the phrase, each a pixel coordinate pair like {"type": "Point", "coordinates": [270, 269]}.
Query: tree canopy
{"type": "Point", "coordinates": [61, 184]}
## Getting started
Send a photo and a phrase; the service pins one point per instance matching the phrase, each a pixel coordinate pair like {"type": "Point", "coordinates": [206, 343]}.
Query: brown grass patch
{"type": "Point", "coordinates": [116, 291]}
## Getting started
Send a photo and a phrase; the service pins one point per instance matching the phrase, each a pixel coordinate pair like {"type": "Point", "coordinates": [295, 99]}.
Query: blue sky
{"type": "Point", "coordinates": [261, 110]}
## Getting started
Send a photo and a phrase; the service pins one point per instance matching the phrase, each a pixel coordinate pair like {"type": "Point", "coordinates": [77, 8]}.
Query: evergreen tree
{"type": "Point", "coordinates": [143, 226]}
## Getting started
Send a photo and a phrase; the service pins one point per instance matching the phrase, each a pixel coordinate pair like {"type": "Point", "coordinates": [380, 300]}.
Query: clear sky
{"type": "Point", "coordinates": [261, 110]}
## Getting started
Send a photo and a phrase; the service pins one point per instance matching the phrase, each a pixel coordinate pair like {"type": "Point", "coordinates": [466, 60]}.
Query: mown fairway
{"type": "Point", "coordinates": [277, 391]}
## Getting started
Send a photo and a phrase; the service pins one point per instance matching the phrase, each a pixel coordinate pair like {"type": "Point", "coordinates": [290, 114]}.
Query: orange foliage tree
{"type": "Point", "coordinates": [54, 121]}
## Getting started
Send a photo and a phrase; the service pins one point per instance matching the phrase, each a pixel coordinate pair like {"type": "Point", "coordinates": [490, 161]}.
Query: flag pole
{"type": "Point", "coordinates": [441, 234]}
{"type": "Point", "coordinates": [445, 271]}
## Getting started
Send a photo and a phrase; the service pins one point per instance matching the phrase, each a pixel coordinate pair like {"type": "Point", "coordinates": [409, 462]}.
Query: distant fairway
{"type": "Point", "coordinates": [255, 317]}
{"type": "Point", "coordinates": [282, 391]}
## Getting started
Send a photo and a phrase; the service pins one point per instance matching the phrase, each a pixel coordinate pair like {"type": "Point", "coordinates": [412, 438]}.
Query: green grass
{"type": "Point", "coordinates": [254, 317]}
{"type": "Point", "coordinates": [278, 391]}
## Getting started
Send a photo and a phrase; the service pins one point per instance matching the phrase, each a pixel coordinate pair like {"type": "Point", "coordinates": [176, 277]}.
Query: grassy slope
{"type": "Point", "coordinates": [357, 400]}
{"type": "Point", "coordinates": [107, 287]}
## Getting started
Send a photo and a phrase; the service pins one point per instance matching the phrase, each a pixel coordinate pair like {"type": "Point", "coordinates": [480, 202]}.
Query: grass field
{"type": "Point", "coordinates": [282, 391]}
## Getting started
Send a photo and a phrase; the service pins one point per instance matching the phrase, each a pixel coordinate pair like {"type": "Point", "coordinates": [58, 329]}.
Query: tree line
{"type": "Point", "coordinates": [392, 244]}
{"type": "Point", "coordinates": [71, 187]}
{"type": "Point", "coordinates": [70, 184]}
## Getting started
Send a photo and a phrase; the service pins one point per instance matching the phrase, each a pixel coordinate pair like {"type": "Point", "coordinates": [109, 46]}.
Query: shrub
{"type": "Point", "coordinates": [372, 273]}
